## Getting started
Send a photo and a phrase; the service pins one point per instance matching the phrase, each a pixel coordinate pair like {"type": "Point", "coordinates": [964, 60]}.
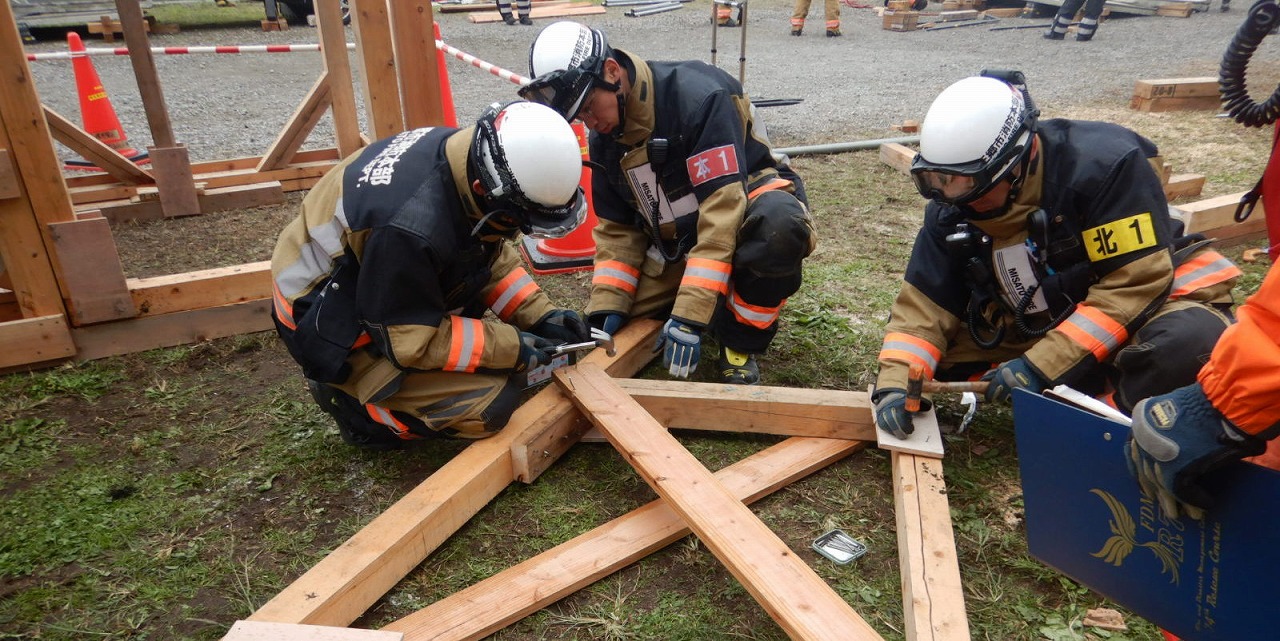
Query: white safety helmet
{"type": "Point", "coordinates": [529, 163]}
{"type": "Point", "coordinates": [974, 134]}
{"type": "Point", "coordinates": [566, 62]}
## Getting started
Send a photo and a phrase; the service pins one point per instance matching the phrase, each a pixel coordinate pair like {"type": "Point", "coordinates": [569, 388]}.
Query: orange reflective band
{"type": "Point", "coordinates": [284, 311]}
{"type": "Point", "coordinates": [754, 315]}
{"type": "Point", "coordinates": [615, 273]}
{"type": "Point", "coordinates": [776, 183]}
{"type": "Point", "coordinates": [709, 274]}
{"type": "Point", "coordinates": [385, 417]}
{"type": "Point", "coordinates": [911, 350]}
{"type": "Point", "coordinates": [1093, 330]}
{"type": "Point", "coordinates": [510, 292]}
{"type": "Point", "coordinates": [466, 345]}
{"type": "Point", "coordinates": [1206, 269]}
{"type": "Point", "coordinates": [833, 24]}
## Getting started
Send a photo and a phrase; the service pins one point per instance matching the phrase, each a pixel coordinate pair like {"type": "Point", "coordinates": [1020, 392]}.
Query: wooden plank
{"type": "Point", "coordinates": [109, 26]}
{"type": "Point", "coordinates": [144, 72]}
{"type": "Point", "coordinates": [35, 340]}
{"type": "Point", "coordinates": [91, 271]}
{"type": "Point", "coordinates": [298, 127]}
{"type": "Point", "coordinates": [1183, 185]}
{"type": "Point", "coordinates": [169, 330]}
{"type": "Point", "coordinates": [104, 156]}
{"type": "Point", "coordinates": [265, 631]}
{"type": "Point", "coordinates": [200, 289]}
{"type": "Point", "coordinates": [1177, 87]}
{"type": "Point", "coordinates": [376, 58]}
{"type": "Point", "coordinates": [342, 96]}
{"type": "Point", "coordinates": [1157, 105]}
{"type": "Point", "coordinates": [574, 9]}
{"type": "Point", "coordinates": [926, 440]}
{"type": "Point", "coordinates": [241, 197]}
{"type": "Point", "coordinates": [1215, 217]}
{"type": "Point", "coordinates": [419, 65]}
{"type": "Point", "coordinates": [756, 408]}
{"type": "Point", "coordinates": [8, 177]}
{"type": "Point", "coordinates": [788, 589]}
{"type": "Point", "coordinates": [898, 156]}
{"type": "Point", "coordinates": [504, 598]}
{"type": "Point", "coordinates": [338, 589]}
{"type": "Point", "coordinates": [1175, 10]}
{"type": "Point", "coordinates": [932, 593]}
{"type": "Point", "coordinates": [174, 180]}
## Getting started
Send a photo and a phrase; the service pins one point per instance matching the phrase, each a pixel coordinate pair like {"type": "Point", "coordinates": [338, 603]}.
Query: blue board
{"type": "Point", "coordinates": [1217, 579]}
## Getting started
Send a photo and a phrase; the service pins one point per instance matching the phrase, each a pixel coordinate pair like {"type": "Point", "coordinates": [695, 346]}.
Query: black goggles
{"type": "Point", "coordinates": [963, 184]}
{"type": "Point", "coordinates": [564, 90]}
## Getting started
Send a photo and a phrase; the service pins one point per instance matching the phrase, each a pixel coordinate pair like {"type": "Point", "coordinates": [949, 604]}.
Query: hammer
{"type": "Point", "coordinates": [916, 386]}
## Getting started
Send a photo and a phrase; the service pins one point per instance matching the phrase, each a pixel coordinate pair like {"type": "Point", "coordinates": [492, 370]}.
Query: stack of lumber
{"type": "Point", "coordinates": [1175, 94]}
{"type": "Point", "coordinates": [543, 10]}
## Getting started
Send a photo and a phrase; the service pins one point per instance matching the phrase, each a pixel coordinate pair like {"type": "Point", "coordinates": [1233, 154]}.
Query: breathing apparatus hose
{"type": "Point", "coordinates": [1262, 18]}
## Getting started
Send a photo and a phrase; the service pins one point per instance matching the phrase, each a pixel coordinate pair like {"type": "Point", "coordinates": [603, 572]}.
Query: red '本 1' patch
{"type": "Point", "coordinates": [712, 163]}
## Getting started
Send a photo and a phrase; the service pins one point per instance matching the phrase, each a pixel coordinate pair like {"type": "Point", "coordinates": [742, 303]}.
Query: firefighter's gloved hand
{"type": "Point", "coordinates": [891, 411]}
{"type": "Point", "coordinates": [563, 325]}
{"type": "Point", "coordinates": [681, 344]}
{"type": "Point", "coordinates": [1177, 437]}
{"type": "Point", "coordinates": [534, 351]}
{"type": "Point", "coordinates": [1011, 375]}
{"type": "Point", "coordinates": [609, 322]}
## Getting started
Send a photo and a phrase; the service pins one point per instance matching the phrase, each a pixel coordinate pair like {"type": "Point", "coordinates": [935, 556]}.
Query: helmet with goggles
{"type": "Point", "coordinates": [973, 136]}
{"type": "Point", "coordinates": [529, 164]}
{"type": "Point", "coordinates": [566, 62]}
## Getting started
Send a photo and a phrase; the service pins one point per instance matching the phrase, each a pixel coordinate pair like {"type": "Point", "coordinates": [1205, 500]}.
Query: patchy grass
{"type": "Point", "coordinates": [166, 494]}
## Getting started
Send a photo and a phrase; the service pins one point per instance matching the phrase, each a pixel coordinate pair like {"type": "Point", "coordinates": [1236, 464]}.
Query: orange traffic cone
{"type": "Point", "coordinates": [576, 251]}
{"type": "Point", "coordinates": [446, 92]}
{"type": "Point", "coordinates": [96, 112]}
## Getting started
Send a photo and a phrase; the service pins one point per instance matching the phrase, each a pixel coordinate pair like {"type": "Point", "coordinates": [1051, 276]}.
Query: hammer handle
{"type": "Point", "coordinates": [956, 386]}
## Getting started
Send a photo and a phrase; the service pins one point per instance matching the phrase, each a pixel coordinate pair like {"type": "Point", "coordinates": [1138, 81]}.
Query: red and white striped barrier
{"type": "Point", "coordinates": [292, 48]}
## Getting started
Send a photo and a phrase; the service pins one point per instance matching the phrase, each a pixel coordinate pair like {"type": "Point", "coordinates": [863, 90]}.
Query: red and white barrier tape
{"type": "Point", "coordinates": [124, 51]}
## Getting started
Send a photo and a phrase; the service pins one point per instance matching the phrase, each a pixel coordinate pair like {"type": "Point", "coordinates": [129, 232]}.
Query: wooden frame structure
{"type": "Point", "coordinates": [63, 291]}
{"type": "Point", "coordinates": [824, 426]}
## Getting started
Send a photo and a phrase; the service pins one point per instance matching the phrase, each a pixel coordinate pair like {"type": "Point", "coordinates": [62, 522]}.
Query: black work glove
{"type": "Point", "coordinates": [562, 325]}
{"type": "Point", "coordinates": [891, 411]}
{"type": "Point", "coordinates": [1011, 375]}
{"type": "Point", "coordinates": [1177, 437]}
{"type": "Point", "coordinates": [534, 351]}
{"type": "Point", "coordinates": [609, 322]}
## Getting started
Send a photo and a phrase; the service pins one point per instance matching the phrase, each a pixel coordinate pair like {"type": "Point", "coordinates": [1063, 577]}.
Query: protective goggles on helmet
{"type": "Point", "coordinates": [564, 90]}
{"type": "Point", "coordinates": [965, 183]}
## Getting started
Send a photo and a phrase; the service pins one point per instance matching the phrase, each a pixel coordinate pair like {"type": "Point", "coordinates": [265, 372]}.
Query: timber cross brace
{"type": "Point", "coordinates": [824, 426]}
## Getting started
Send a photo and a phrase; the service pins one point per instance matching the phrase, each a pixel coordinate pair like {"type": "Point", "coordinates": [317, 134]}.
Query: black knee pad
{"type": "Point", "coordinates": [775, 236]}
{"type": "Point", "coordinates": [1166, 354]}
{"type": "Point", "coordinates": [495, 416]}
{"type": "Point", "coordinates": [354, 424]}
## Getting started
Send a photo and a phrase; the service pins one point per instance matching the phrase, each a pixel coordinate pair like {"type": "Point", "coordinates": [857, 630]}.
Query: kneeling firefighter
{"type": "Point", "coordinates": [1047, 256]}
{"type": "Point", "coordinates": [383, 281]}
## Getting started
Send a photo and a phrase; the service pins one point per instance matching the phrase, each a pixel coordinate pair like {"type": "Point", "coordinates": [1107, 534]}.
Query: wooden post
{"type": "Point", "coordinates": [932, 595]}
{"type": "Point", "coordinates": [172, 165]}
{"type": "Point", "coordinates": [333, 44]}
{"type": "Point", "coordinates": [413, 28]}
{"type": "Point", "coordinates": [377, 58]}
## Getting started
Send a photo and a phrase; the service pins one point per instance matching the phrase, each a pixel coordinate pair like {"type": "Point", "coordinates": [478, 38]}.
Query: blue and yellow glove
{"type": "Point", "coordinates": [681, 345]}
{"type": "Point", "coordinates": [1011, 375]}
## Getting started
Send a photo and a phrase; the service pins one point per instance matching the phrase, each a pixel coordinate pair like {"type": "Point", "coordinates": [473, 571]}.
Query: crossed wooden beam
{"type": "Point", "coordinates": [824, 425]}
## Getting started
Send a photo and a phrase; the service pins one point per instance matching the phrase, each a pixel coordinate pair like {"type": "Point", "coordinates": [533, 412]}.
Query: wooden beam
{"type": "Point", "coordinates": [9, 188]}
{"type": "Point", "coordinates": [201, 289]}
{"type": "Point", "coordinates": [35, 340]}
{"type": "Point", "coordinates": [338, 589]}
{"type": "Point", "coordinates": [573, 9]}
{"type": "Point", "coordinates": [898, 156]}
{"type": "Point", "coordinates": [169, 330]}
{"type": "Point", "coordinates": [783, 411]}
{"type": "Point", "coordinates": [418, 64]}
{"type": "Point", "coordinates": [376, 58]}
{"type": "Point", "coordinates": [1215, 217]}
{"type": "Point", "coordinates": [104, 156]}
{"type": "Point", "coordinates": [333, 46]}
{"type": "Point", "coordinates": [932, 594]}
{"type": "Point", "coordinates": [1183, 185]}
{"type": "Point", "coordinates": [504, 598]}
{"type": "Point", "coordinates": [788, 589]}
{"type": "Point", "coordinates": [1176, 87]}
{"type": "Point", "coordinates": [299, 126]}
{"type": "Point", "coordinates": [265, 631]}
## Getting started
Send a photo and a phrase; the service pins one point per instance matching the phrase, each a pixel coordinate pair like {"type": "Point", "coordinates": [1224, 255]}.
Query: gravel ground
{"type": "Point", "coordinates": [852, 88]}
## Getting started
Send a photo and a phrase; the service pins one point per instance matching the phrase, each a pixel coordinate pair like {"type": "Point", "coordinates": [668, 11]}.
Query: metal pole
{"type": "Point", "coordinates": [841, 147]}
{"type": "Point", "coordinates": [715, 25]}
{"type": "Point", "coordinates": [742, 48]}
{"type": "Point", "coordinates": [658, 8]}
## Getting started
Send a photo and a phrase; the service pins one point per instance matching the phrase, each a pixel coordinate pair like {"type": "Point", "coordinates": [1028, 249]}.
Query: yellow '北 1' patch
{"type": "Point", "coordinates": [1119, 237]}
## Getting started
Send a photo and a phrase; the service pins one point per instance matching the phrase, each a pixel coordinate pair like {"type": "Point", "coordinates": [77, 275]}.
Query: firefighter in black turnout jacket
{"type": "Point", "coordinates": [383, 281]}
{"type": "Point", "coordinates": [699, 221]}
{"type": "Point", "coordinates": [1047, 256]}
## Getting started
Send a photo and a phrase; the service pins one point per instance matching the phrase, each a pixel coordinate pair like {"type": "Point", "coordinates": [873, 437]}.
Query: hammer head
{"type": "Point", "coordinates": [603, 339]}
